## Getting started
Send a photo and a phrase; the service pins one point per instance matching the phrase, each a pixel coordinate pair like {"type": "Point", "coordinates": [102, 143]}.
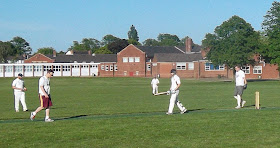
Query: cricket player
{"type": "Point", "coordinates": [154, 84]}
{"type": "Point", "coordinates": [19, 92]}
{"type": "Point", "coordinates": [44, 96]}
{"type": "Point", "coordinates": [240, 85]}
{"type": "Point", "coordinates": [174, 92]}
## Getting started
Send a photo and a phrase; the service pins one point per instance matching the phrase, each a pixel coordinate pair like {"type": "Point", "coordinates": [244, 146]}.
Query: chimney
{"type": "Point", "coordinates": [189, 43]}
{"type": "Point", "coordinates": [89, 52]}
{"type": "Point", "coordinates": [54, 53]}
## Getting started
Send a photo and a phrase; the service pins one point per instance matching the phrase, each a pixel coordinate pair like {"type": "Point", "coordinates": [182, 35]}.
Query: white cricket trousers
{"type": "Point", "coordinates": [20, 96]}
{"type": "Point", "coordinates": [155, 89]}
{"type": "Point", "coordinates": [174, 100]}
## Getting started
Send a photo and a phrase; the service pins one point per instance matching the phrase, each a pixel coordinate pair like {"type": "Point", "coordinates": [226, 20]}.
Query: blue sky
{"type": "Point", "coordinates": [57, 23]}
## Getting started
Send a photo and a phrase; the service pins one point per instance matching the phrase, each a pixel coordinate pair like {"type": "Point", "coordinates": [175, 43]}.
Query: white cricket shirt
{"type": "Point", "coordinates": [239, 78]}
{"type": "Point", "coordinates": [18, 83]}
{"type": "Point", "coordinates": [45, 82]}
{"type": "Point", "coordinates": [155, 82]}
{"type": "Point", "coordinates": [175, 81]}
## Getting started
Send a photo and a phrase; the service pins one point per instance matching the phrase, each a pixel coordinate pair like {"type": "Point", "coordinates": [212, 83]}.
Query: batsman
{"type": "Point", "coordinates": [174, 92]}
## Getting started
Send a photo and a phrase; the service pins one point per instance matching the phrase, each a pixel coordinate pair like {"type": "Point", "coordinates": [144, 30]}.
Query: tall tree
{"type": "Point", "coordinates": [46, 50]}
{"type": "Point", "coordinates": [132, 34]}
{"type": "Point", "coordinates": [117, 46]}
{"type": "Point", "coordinates": [107, 39]}
{"type": "Point", "coordinates": [86, 45]}
{"type": "Point", "coordinates": [151, 42]}
{"type": "Point", "coordinates": [233, 42]}
{"type": "Point", "coordinates": [271, 26]}
{"type": "Point", "coordinates": [21, 46]}
{"type": "Point", "coordinates": [168, 40]}
{"type": "Point", "coordinates": [6, 49]}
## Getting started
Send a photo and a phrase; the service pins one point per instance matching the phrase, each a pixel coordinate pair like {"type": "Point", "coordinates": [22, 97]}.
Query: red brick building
{"type": "Point", "coordinates": [148, 61]}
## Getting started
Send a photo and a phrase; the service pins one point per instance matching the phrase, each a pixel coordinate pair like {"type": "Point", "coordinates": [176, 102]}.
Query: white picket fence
{"type": "Point", "coordinates": [40, 69]}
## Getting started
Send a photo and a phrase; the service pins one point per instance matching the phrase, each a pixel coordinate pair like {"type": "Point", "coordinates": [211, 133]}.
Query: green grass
{"type": "Point", "coordinates": [121, 112]}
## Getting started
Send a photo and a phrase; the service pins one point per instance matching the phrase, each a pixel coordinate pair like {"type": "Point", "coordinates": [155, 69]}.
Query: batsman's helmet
{"type": "Point", "coordinates": [173, 71]}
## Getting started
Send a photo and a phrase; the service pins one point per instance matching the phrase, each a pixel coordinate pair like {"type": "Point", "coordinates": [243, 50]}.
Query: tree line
{"type": "Point", "coordinates": [233, 42]}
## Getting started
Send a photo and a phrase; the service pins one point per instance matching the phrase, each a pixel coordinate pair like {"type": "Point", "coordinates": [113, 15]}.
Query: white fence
{"type": "Point", "coordinates": [40, 69]}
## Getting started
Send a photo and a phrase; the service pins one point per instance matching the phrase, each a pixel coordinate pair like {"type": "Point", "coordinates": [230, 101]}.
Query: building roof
{"type": "Point", "coordinates": [151, 50]}
{"type": "Point", "coordinates": [175, 57]}
{"type": "Point", "coordinates": [81, 58]}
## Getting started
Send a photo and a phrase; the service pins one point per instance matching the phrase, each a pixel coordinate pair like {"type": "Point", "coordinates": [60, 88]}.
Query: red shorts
{"type": "Point", "coordinates": [45, 102]}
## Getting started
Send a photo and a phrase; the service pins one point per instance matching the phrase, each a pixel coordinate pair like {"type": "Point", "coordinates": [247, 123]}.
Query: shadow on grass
{"type": "Point", "coordinates": [72, 117]}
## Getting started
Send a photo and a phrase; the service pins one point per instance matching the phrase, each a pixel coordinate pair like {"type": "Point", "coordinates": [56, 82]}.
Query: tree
{"type": "Point", "coordinates": [107, 39]}
{"type": "Point", "coordinates": [21, 46]}
{"type": "Point", "coordinates": [117, 46]}
{"type": "Point", "coordinates": [103, 50]}
{"type": "Point", "coordinates": [132, 34]}
{"type": "Point", "coordinates": [131, 41]}
{"type": "Point", "coordinates": [86, 45]}
{"type": "Point", "coordinates": [6, 49]}
{"type": "Point", "coordinates": [233, 42]}
{"type": "Point", "coordinates": [151, 42]}
{"type": "Point", "coordinates": [168, 40]}
{"type": "Point", "coordinates": [46, 50]}
{"type": "Point", "coordinates": [271, 26]}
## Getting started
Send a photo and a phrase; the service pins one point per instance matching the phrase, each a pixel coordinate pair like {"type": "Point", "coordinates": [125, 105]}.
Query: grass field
{"type": "Point", "coordinates": [122, 112]}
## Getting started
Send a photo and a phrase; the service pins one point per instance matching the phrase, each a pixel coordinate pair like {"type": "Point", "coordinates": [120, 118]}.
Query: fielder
{"type": "Point", "coordinates": [240, 85]}
{"type": "Point", "coordinates": [44, 96]}
{"type": "Point", "coordinates": [154, 85]}
{"type": "Point", "coordinates": [19, 92]}
{"type": "Point", "coordinates": [174, 92]}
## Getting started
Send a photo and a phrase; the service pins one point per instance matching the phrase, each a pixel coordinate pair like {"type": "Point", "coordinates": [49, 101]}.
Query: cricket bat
{"type": "Point", "coordinates": [161, 93]}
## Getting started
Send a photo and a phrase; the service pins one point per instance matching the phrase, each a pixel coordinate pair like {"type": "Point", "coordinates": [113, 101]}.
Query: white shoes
{"type": "Point", "coordinates": [32, 116]}
{"type": "Point", "coordinates": [238, 107]}
{"type": "Point", "coordinates": [49, 120]}
{"type": "Point", "coordinates": [184, 111]}
{"type": "Point", "coordinates": [167, 113]}
{"type": "Point", "coordinates": [243, 103]}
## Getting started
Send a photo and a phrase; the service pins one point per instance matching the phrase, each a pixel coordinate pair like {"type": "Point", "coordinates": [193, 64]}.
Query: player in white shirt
{"type": "Point", "coordinates": [154, 84]}
{"type": "Point", "coordinates": [44, 96]}
{"type": "Point", "coordinates": [240, 85]}
{"type": "Point", "coordinates": [19, 92]}
{"type": "Point", "coordinates": [174, 92]}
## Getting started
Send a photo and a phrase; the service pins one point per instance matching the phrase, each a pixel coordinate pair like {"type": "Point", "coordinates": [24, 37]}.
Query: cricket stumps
{"type": "Point", "coordinates": [257, 100]}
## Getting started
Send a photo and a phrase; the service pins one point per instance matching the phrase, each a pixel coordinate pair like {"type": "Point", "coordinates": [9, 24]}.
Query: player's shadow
{"type": "Point", "coordinates": [193, 110]}
{"type": "Point", "coordinates": [72, 117]}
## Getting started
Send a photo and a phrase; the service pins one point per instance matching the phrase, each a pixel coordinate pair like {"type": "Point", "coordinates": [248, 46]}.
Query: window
{"type": "Point", "coordinates": [125, 73]}
{"type": "Point", "coordinates": [56, 68]}
{"type": "Point", "coordinates": [28, 68]}
{"type": "Point", "coordinates": [66, 68]}
{"type": "Point", "coordinates": [191, 66]}
{"type": "Point", "coordinates": [116, 68]}
{"type": "Point", "coordinates": [210, 66]}
{"type": "Point", "coordinates": [47, 68]}
{"type": "Point", "coordinates": [102, 67]}
{"type": "Point", "coordinates": [137, 59]}
{"type": "Point", "coordinates": [75, 66]}
{"type": "Point", "coordinates": [181, 66]}
{"type": "Point", "coordinates": [137, 73]}
{"type": "Point", "coordinates": [148, 67]}
{"type": "Point", "coordinates": [131, 59]}
{"type": "Point", "coordinates": [9, 69]}
{"type": "Point", "coordinates": [246, 69]}
{"type": "Point", "coordinates": [1, 69]}
{"type": "Point", "coordinates": [107, 68]}
{"type": "Point", "coordinates": [111, 67]}
{"type": "Point", "coordinates": [37, 68]}
{"type": "Point", "coordinates": [257, 70]}
{"type": "Point", "coordinates": [18, 68]}
{"type": "Point", "coordinates": [125, 59]}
